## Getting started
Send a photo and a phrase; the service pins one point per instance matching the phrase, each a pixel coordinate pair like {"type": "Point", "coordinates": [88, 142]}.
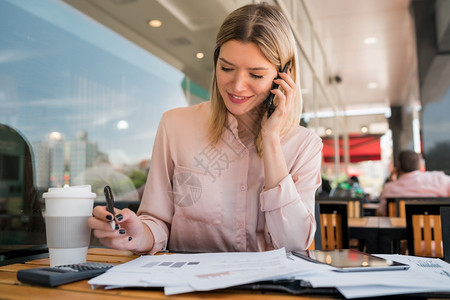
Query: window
{"type": "Point", "coordinates": [87, 100]}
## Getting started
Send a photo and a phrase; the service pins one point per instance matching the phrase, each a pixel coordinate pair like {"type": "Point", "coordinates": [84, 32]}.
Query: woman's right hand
{"type": "Point", "coordinates": [129, 233]}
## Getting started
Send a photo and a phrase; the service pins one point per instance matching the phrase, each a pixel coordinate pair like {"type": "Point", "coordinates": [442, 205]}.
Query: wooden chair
{"type": "Point", "coordinates": [334, 224]}
{"type": "Point", "coordinates": [395, 207]}
{"type": "Point", "coordinates": [391, 207]}
{"type": "Point", "coordinates": [317, 242]}
{"type": "Point", "coordinates": [445, 224]}
{"type": "Point", "coordinates": [423, 227]}
{"type": "Point", "coordinates": [355, 207]}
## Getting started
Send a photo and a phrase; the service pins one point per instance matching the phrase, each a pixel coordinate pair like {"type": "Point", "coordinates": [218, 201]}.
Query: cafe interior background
{"type": "Point", "coordinates": [83, 85]}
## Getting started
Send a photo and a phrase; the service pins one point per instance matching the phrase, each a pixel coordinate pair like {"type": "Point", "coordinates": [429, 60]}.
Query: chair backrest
{"type": "Point", "coordinates": [22, 226]}
{"type": "Point", "coordinates": [391, 207]}
{"type": "Point", "coordinates": [317, 242]}
{"type": "Point", "coordinates": [423, 226]}
{"type": "Point", "coordinates": [20, 207]}
{"type": "Point", "coordinates": [355, 207]}
{"type": "Point", "coordinates": [395, 207]}
{"type": "Point", "coordinates": [334, 224]}
{"type": "Point", "coordinates": [445, 224]}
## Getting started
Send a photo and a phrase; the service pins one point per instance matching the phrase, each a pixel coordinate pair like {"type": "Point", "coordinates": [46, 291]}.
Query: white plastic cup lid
{"type": "Point", "coordinates": [76, 191]}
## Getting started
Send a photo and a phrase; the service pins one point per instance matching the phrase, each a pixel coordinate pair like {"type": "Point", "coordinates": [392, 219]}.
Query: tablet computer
{"type": "Point", "coordinates": [350, 260]}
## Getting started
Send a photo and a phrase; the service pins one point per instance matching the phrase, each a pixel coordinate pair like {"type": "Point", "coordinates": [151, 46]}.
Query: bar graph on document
{"type": "Point", "coordinates": [170, 264]}
{"type": "Point", "coordinates": [426, 263]}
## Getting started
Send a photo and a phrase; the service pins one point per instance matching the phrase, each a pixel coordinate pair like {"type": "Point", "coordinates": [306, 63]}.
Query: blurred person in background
{"type": "Point", "coordinates": [407, 180]}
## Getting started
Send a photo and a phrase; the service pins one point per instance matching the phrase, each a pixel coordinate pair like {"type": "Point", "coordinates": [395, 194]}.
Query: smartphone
{"type": "Point", "coordinates": [269, 100]}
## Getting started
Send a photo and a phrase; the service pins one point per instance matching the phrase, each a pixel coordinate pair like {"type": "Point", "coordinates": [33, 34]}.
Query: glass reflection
{"type": "Point", "coordinates": [84, 97]}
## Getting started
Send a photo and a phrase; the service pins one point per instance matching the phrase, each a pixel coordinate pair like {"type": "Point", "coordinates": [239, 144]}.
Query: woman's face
{"type": "Point", "coordinates": [244, 76]}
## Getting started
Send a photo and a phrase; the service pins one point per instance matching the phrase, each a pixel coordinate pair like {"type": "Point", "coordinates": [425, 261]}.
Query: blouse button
{"type": "Point", "coordinates": [243, 187]}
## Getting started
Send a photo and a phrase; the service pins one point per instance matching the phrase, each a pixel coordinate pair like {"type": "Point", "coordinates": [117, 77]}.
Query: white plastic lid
{"type": "Point", "coordinates": [76, 191]}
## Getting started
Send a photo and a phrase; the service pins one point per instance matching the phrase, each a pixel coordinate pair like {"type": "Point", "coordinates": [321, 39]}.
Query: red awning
{"type": "Point", "coordinates": [361, 148]}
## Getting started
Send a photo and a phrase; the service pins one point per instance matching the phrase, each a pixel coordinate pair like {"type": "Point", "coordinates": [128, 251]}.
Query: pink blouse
{"type": "Point", "coordinates": [201, 197]}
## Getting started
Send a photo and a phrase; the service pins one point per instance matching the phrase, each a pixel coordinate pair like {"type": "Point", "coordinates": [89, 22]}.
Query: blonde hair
{"type": "Point", "coordinates": [267, 27]}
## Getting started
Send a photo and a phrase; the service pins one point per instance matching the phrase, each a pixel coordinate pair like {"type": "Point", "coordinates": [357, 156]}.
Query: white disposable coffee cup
{"type": "Point", "coordinates": [66, 213]}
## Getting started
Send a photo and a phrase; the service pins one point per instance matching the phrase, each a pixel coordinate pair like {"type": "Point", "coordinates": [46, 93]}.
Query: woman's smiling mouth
{"type": "Point", "coordinates": [237, 99]}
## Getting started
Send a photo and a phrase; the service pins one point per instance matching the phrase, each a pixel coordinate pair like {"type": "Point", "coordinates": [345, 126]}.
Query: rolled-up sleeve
{"type": "Point", "coordinates": [289, 207]}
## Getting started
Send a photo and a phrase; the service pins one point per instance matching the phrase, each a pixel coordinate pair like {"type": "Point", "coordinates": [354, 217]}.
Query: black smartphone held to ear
{"type": "Point", "coordinates": [269, 100]}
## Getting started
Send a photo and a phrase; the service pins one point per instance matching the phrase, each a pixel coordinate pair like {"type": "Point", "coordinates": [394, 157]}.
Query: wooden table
{"type": "Point", "coordinates": [11, 288]}
{"type": "Point", "coordinates": [379, 233]}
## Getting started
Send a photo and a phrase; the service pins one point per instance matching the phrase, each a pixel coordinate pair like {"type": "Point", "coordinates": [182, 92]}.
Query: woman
{"type": "Point", "coordinates": [223, 176]}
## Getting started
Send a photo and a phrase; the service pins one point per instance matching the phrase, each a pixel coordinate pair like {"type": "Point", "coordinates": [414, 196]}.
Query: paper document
{"type": "Point", "coordinates": [197, 272]}
{"type": "Point", "coordinates": [183, 273]}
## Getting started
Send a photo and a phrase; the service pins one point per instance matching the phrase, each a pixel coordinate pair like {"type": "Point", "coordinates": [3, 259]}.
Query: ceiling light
{"type": "Point", "coordinates": [55, 136]}
{"type": "Point", "coordinates": [200, 55]}
{"type": "Point", "coordinates": [370, 40]}
{"type": "Point", "coordinates": [372, 85]}
{"type": "Point", "coordinates": [328, 131]}
{"type": "Point", "coordinates": [122, 124]}
{"type": "Point", "coordinates": [364, 129]}
{"type": "Point", "coordinates": [155, 23]}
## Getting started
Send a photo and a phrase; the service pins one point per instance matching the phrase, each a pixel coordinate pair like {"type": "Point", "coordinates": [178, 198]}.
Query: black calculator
{"type": "Point", "coordinates": [54, 276]}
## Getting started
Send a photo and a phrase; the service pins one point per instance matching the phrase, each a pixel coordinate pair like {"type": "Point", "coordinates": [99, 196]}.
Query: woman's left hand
{"type": "Point", "coordinates": [284, 102]}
